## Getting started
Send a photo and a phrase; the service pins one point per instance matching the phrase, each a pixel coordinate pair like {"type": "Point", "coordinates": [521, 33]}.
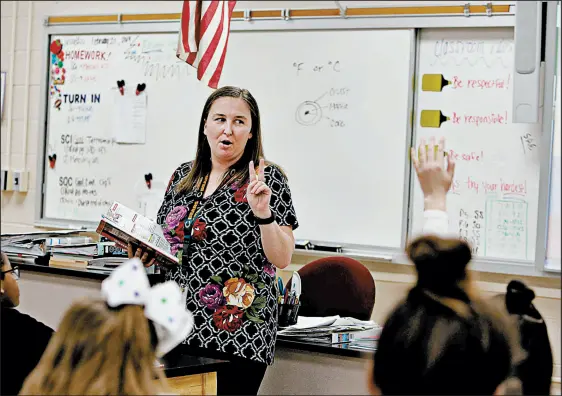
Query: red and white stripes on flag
{"type": "Point", "coordinates": [203, 37]}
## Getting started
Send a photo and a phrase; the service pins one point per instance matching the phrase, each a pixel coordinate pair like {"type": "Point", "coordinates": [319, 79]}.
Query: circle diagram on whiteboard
{"type": "Point", "coordinates": [308, 113]}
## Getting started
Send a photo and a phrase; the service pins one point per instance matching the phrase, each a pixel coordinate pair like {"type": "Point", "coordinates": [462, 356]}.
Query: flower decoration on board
{"type": "Point", "coordinates": [234, 299]}
{"type": "Point", "coordinates": [57, 63]}
{"type": "Point", "coordinates": [52, 161]}
{"type": "Point", "coordinates": [58, 72]}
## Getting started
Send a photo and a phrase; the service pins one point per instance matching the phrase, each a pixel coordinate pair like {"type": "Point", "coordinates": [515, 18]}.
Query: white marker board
{"type": "Point", "coordinates": [334, 107]}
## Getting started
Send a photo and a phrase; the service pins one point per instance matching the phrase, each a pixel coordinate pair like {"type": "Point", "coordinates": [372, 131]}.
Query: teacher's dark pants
{"type": "Point", "coordinates": [238, 377]}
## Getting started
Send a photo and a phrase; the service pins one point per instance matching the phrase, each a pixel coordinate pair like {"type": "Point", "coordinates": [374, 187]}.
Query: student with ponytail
{"type": "Point", "coordinates": [109, 346]}
{"type": "Point", "coordinates": [443, 339]}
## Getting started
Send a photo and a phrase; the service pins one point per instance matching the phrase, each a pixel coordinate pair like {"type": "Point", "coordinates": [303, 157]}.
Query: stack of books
{"type": "Point", "coordinates": [63, 249]}
{"type": "Point", "coordinates": [71, 252]}
{"type": "Point", "coordinates": [31, 248]}
{"type": "Point", "coordinates": [84, 253]}
{"type": "Point", "coordinates": [347, 332]}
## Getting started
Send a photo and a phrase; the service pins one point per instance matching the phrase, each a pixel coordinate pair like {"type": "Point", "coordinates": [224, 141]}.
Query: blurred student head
{"type": "Point", "coordinates": [10, 291]}
{"type": "Point", "coordinates": [110, 345]}
{"type": "Point", "coordinates": [535, 371]}
{"type": "Point", "coordinates": [98, 350]}
{"type": "Point", "coordinates": [443, 339]}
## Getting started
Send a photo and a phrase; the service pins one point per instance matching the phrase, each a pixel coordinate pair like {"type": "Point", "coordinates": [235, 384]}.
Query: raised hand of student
{"type": "Point", "coordinates": [258, 193]}
{"type": "Point", "coordinates": [434, 176]}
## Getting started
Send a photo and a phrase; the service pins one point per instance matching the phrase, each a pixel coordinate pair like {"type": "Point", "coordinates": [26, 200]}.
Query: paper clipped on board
{"type": "Point", "coordinates": [129, 118]}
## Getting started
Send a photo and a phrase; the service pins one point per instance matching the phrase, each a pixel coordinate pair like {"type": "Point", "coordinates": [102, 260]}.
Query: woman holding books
{"type": "Point", "coordinates": [230, 222]}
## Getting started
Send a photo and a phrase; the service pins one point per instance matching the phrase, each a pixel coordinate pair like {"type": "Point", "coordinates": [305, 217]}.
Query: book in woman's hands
{"type": "Point", "coordinates": [123, 225]}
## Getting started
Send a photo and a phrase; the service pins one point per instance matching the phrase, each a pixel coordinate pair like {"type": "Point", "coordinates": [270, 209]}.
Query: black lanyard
{"type": "Point", "coordinates": [193, 215]}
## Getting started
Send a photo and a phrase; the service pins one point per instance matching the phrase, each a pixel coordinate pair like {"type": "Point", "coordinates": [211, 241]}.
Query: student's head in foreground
{"type": "Point", "coordinates": [110, 345]}
{"type": "Point", "coordinates": [443, 339]}
{"type": "Point", "coordinates": [9, 288]}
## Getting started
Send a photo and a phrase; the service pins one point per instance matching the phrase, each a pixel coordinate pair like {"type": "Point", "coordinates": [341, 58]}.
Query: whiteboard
{"type": "Point", "coordinates": [553, 252]}
{"type": "Point", "coordinates": [493, 202]}
{"type": "Point", "coordinates": [334, 108]}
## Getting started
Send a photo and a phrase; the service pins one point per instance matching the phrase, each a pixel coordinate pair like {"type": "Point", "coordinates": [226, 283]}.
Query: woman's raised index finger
{"type": "Point", "coordinates": [252, 170]}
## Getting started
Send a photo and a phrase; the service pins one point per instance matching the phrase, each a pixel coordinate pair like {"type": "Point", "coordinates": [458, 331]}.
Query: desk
{"type": "Point", "coordinates": [299, 368]}
{"type": "Point", "coordinates": [306, 368]}
{"type": "Point", "coordinates": [344, 349]}
{"type": "Point", "coordinates": [189, 375]}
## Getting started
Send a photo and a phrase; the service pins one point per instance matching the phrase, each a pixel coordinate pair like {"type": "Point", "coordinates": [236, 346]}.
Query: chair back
{"type": "Point", "coordinates": [336, 286]}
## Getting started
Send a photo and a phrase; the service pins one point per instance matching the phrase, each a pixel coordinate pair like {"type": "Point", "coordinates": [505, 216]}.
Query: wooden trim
{"type": "Point", "coordinates": [150, 17]}
{"type": "Point", "coordinates": [432, 10]}
{"type": "Point", "coordinates": [210, 383]}
{"type": "Point", "coordinates": [195, 384]}
{"type": "Point", "coordinates": [57, 20]}
{"type": "Point", "coordinates": [257, 14]}
{"type": "Point", "coordinates": [293, 13]}
{"type": "Point", "coordinates": [313, 13]}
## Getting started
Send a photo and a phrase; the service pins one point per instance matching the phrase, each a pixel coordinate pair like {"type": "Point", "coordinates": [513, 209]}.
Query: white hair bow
{"type": "Point", "coordinates": [128, 284]}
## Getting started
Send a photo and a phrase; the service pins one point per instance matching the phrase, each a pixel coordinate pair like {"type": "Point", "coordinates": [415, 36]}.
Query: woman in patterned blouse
{"type": "Point", "coordinates": [230, 225]}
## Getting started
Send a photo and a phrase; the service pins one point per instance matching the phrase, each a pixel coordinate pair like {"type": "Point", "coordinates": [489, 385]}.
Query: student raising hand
{"type": "Point", "coordinates": [434, 176]}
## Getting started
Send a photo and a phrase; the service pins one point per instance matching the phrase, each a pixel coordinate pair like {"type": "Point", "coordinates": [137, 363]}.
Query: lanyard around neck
{"type": "Point", "coordinates": [188, 226]}
{"type": "Point", "coordinates": [198, 197]}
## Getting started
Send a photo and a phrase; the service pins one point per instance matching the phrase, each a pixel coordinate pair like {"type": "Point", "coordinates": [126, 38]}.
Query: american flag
{"type": "Point", "coordinates": [203, 38]}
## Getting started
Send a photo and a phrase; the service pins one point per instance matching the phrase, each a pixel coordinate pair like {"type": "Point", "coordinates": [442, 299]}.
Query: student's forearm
{"type": "Point", "coordinates": [436, 220]}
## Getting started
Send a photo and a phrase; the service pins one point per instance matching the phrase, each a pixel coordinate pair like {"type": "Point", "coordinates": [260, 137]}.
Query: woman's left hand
{"type": "Point", "coordinates": [258, 193]}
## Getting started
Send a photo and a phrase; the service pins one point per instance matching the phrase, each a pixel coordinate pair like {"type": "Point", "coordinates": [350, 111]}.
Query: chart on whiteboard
{"type": "Point", "coordinates": [465, 94]}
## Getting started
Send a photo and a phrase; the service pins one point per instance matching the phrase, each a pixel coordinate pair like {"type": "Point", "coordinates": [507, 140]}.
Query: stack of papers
{"type": "Point", "coordinates": [30, 245]}
{"type": "Point", "coordinates": [88, 250]}
{"type": "Point", "coordinates": [106, 263]}
{"type": "Point", "coordinates": [348, 333]}
{"type": "Point", "coordinates": [322, 326]}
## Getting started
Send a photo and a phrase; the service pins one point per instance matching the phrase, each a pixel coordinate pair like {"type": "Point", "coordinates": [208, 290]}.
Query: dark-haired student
{"type": "Point", "coordinates": [535, 372]}
{"type": "Point", "coordinates": [22, 338]}
{"type": "Point", "coordinates": [443, 339]}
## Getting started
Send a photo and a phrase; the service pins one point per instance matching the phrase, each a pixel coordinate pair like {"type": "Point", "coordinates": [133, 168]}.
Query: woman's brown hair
{"type": "Point", "coordinates": [252, 152]}
{"type": "Point", "coordinates": [443, 339]}
{"type": "Point", "coordinates": [98, 351]}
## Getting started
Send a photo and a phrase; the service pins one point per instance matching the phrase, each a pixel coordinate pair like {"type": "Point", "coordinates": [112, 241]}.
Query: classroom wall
{"type": "Point", "coordinates": [21, 115]}
{"type": "Point", "coordinates": [23, 85]}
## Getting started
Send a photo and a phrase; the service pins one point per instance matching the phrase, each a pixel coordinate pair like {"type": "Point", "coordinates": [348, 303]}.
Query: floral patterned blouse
{"type": "Point", "coordinates": [230, 283]}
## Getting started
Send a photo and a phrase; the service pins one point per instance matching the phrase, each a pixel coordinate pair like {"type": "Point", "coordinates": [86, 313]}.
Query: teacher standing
{"type": "Point", "coordinates": [231, 225]}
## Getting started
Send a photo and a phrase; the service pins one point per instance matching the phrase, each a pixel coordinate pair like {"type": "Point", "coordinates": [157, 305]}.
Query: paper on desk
{"type": "Point", "coordinates": [129, 118]}
{"type": "Point", "coordinates": [319, 326]}
{"type": "Point", "coordinates": [349, 321]}
{"type": "Point", "coordinates": [305, 322]}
